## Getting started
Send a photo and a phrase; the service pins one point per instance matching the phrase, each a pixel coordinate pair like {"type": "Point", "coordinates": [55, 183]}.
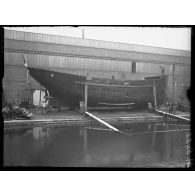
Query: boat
{"type": "Point", "coordinates": [68, 89]}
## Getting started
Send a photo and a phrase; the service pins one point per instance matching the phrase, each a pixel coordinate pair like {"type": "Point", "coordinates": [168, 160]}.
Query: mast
{"type": "Point", "coordinates": [27, 81]}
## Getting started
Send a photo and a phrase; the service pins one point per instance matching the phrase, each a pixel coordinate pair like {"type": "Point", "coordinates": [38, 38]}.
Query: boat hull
{"type": "Point", "coordinates": [68, 90]}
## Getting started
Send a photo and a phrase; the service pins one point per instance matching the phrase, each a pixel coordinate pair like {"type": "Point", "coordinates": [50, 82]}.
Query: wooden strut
{"type": "Point", "coordinates": [86, 97]}
{"type": "Point", "coordinates": [106, 85]}
{"type": "Point", "coordinates": [120, 104]}
{"type": "Point", "coordinates": [101, 121]}
{"type": "Point", "coordinates": [172, 115]}
{"type": "Point", "coordinates": [155, 99]}
{"type": "Point", "coordinates": [40, 95]}
{"type": "Point", "coordinates": [104, 123]}
{"type": "Point", "coordinates": [95, 117]}
{"type": "Point", "coordinates": [86, 84]}
{"type": "Point", "coordinates": [27, 87]}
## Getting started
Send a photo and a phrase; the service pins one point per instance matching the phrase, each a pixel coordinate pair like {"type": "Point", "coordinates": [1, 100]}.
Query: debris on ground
{"type": "Point", "coordinates": [16, 112]}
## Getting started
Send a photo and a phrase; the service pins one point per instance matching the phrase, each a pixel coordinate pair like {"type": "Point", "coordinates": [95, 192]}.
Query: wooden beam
{"type": "Point", "coordinates": [107, 85]}
{"type": "Point", "coordinates": [101, 121]}
{"type": "Point", "coordinates": [172, 115]}
{"type": "Point", "coordinates": [155, 99]}
{"type": "Point", "coordinates": [40, 95]}
{"type": "Point", "coordinates": [27, 87]}
{"type": "Point", "coordinates": [86, 96]}
{"type": "Point", "coordinates": [173, 84]}
{"type": "Point", "coordinates": [111, 104]}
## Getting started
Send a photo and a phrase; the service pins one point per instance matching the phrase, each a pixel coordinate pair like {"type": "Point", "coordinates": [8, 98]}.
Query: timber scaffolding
{"type": "Point", "coordinates": [76, 118]}
{"type": "Point", "coordinates": [87, 83]}
{"type": "Point", "coordinates": [112, 127]}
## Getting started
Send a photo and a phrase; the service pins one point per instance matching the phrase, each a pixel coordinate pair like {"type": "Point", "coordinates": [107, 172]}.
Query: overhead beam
{"type": "Point", "coordinates": [108, 85]}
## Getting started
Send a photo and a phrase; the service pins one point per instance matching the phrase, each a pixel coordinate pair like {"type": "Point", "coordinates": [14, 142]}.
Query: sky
{"type": "Point", "coordinates": [174, 38]}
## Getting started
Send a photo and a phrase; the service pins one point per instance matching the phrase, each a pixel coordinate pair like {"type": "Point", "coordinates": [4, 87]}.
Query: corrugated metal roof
{"type": "Point", "coordinates": [38, 37]}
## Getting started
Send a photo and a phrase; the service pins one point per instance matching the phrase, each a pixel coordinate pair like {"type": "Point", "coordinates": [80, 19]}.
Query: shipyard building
{"type": "Point", "coordinates": [79, 56]}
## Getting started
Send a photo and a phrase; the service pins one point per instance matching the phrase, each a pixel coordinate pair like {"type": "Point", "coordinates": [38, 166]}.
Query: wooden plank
{"type": "Point", "coordinates": [101, 121]}
{"type": "Point", "coordinates": [155, 99]}
{"type": "Point", "coordinates": [172, 115]}
{"type": "Point", "coordinates": [110, 104]}
{"type": "Point", "coordinates": [86, 97]}
{"type": "Point", "coordinates": [41, 120]}
{"type": "Point", "coordinates": [107, 85]}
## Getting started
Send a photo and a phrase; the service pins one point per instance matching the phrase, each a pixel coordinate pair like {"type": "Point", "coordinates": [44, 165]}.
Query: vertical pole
{"type": "Point", "coordinates": [86, 96]}
{"type": "Point", "coordinates": [40, 96]}
{"type": "Point", "coordinates": [173, 87]}
{"type": "Point", "coordinates": [27, 81]}
{"type": "Point", "coordinates": [154, 94]}
{"type": "Point", "coordinates": [3, 93]}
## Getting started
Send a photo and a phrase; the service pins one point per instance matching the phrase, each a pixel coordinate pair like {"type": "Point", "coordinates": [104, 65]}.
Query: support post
{"type": "Point", "coordinates": [86, 97]}
{"type": "Point", "coordinates": [172, 115]}
{"type": "Point", "coordinates": [27, 83]}
{"type": "Point", "coordinates": [154, 94]}
{"type": "Point", "coordinates": [40, 95]}
{"type": "Point", "coordinates": [173, 84]}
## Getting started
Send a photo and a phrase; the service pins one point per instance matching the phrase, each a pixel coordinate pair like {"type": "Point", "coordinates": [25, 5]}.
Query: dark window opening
{"type": "Point", "coordinates": [133, 67]}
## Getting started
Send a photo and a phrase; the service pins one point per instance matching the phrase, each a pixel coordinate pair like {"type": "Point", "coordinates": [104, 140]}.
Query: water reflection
{"type": "Point", "coordinates": [83, 134]}
{"type": "Point", "coordinates": [87, 157]}
{"type": "Point", "coordinates": [151, 145]}
{"type": "Point", "coordinates": [154, 135]}
{"type": "Point", "coordinates": [85, 141]}
{"type": "Point", "coordinates": [170, 144]}
{"type": "Point", "coordinates": [16, 132]}
{"type": "Point", "coordinates": [149, 126]}
{"type": "Point", "coordinates": [40, 132]}
{"type": "Point", "coordinates": [167, 139]}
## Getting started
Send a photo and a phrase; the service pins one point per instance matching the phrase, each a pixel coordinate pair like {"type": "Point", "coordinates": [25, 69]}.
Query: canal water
{"type": "Point", "coordinates": [140, 145]}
